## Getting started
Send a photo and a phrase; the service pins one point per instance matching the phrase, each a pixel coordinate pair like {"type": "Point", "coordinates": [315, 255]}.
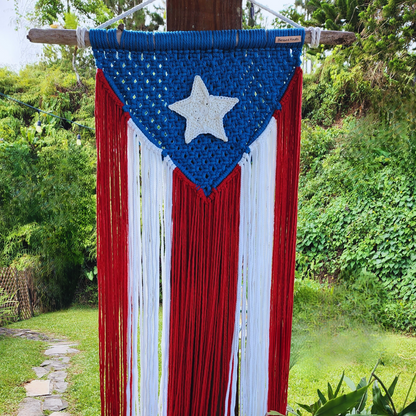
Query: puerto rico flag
{"type": "Point", "coordinates": [198, 160]}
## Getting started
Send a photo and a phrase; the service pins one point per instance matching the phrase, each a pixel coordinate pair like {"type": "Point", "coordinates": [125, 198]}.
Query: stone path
{"type": "Point", "coordinates": [44, 392]}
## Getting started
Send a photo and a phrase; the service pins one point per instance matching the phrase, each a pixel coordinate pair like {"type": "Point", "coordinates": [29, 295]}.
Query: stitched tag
{"type": "Point", "coordinates": [288, 39]}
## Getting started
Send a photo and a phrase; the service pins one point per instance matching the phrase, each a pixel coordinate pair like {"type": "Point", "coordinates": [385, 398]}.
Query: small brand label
{"type": "Point", "coordinates": [288, 39]}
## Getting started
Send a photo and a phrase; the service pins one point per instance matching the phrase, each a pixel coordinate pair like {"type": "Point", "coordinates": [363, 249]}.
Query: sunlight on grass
{"type": "Point", "coordinates": [17, 357]}
{"type": "Point", "coordinates": [325, 356]}
{"type": "Point", "coordinates": [81, 325]}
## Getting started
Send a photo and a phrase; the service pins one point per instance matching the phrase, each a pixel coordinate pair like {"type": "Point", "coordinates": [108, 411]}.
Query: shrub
{"type": "Point", "coordinates": [7, 307]}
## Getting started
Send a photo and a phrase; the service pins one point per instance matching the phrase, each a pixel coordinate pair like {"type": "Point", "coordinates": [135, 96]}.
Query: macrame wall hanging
{"type": "Point", "coordinates": [198, 159]}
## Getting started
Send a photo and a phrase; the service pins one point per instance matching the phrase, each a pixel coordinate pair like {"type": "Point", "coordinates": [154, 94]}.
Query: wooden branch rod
{"type": "Point", "coordinates": [69, 37]}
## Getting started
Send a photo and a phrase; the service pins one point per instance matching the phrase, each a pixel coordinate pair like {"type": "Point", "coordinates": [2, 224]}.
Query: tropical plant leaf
{"type": "Point", "coordinates": [380, 402]}
{"type": "Point", "coordinates": [393, 386]}
{"type": "Point", "coordinates": [362, 383]}
{"type": "Point", "coordinates": [408, 391]}
{"type": "Point", "coordinates": [409, 410]}
{"type": "Point", "coordinates": [362, 402]}
{"type": "Point", "coordinates": [350, 383]}
{"type": "Point", "coordinates": [330, 392]}
{"type": "Point", "coordinates": [341, 404]}
{"type": "Point", "coordinates": [292, 411]}
{"type": "Point", "coordinates": [306, 407]}
{"type": "Point", "coordinates": [322, 397]}
{"type": "Point", "coordinates": [339, 384]}
{"type": "Point", "coordinates": [316, 406]}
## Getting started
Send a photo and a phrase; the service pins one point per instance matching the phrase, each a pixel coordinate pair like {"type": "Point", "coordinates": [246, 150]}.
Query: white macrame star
{"type": "Point", "coordinates": [204, 113]}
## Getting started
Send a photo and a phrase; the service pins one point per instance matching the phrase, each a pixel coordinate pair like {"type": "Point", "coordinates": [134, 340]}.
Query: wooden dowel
{"type": "Point", "coordinates": [69, 37]}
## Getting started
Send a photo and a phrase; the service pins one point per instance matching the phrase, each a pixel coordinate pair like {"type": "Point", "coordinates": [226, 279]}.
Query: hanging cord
{"type": "Point", "coordinates": [280, 16]}
{"type": "Point", "coordinates": [45, 112]}
{"type": "Point", "coordinates": [315, 31]}
{"type": "Point", "coordinates": [125, 14]}
{"type": "Point", "coordinates": [315, 36]}
{"type": "Point", "coordinates": [81, 30]}
{"type": "Point", "coordinates": [81, 36]}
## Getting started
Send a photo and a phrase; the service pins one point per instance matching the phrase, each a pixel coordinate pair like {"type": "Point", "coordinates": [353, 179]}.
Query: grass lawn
{"type": "Point", "coordinates": [81, 325]}
{"type": "Point", "coordinates": [17, 357]}
{"type": "Point", "coordinates": [325, 354]}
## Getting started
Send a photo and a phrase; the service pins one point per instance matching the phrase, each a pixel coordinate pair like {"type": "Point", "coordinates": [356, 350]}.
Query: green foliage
{"type": "Point", "coordinates": [141, 20]}
{"type": "Point", "coordinates": [354, 402]}
{"type": "Point", "coordinates": [374, 72]}
{"type": "Point", "coordinates": [336, 90]}
{"type": "Point", "coordinates": [338, 14]}
{"type": "Point", "coordinates": [357, 207]}
{"type": "Point", "coordinates": [71, 20]}
{"type": "Point", "coordinates": [72, 12]}
{"type": "Point", "coordinates": [47, 192]}
{"type": "Point", "coordinates": [48, 12]}
{"type": "Point", "coordinates": [7, 307]}
{"type": "Point", "coordinates": [360, 301]}
{"type": "Point", "coordinates": [252, 17]}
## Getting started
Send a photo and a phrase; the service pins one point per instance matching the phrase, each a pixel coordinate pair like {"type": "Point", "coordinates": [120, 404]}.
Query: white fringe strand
{"type": "Point", "coordinates": [150, 202]}
{"type": "Point", "coordinates": [150, 242]}
{"type": "Point", "coordinates": [258, 171]}
{"type": "Point", "coordinates": [135, 270]}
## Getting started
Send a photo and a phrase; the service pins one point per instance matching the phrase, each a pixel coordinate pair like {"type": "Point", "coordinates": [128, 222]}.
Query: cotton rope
{"type": "Point", "coordinates": [315, 31]}
{"type": "Point", "coordinates": [125, 14]}
{"type": "Point", "coordinates": [144, 270]}
{"type": "Point", "coordinates": [81, 37]}
{"type": "Point", "coordinates": [280, 16]}
{"type": "Point", "coordinates": [257, 211]}
{"type": "Point", "coordinates": [315, 36]}
{"type": "Point", "coordinates": [222, 259]}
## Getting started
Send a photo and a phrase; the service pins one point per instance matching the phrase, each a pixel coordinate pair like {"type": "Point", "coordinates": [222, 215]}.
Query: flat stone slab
{"type": "Point", "coordinates": [54, 403]}
{"type": "Point", "coordinates": [60, 414]}
{"type": "Point", "coordinates": [65, 360]}
{"type": "Point", "coordinates": [46, 362]}
{"type": "Point", "coordinates": [37, 388]}
{"type": "Point", "coordinates": [40, 371]}
{"type": "Point", "coordinates": [59, 365]}
{"type": "Point", "coordinates": [57, 376]}
{"type": "Point", "coordinates": [60, 386]}
{"type": "Point", "coordinates": [24, 333]}
{"type": "Point", "coordinates": [30, 407]}
{"type": "Point", "coordinates": [63, 343]}
{"type": "Point", "coordinates": [61, 350]}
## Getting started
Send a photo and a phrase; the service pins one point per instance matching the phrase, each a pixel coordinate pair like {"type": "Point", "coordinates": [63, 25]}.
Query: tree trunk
{"type": "Point", "coordinates": [203, 14]}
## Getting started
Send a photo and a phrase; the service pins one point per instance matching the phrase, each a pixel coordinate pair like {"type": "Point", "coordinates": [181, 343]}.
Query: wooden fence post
{"type": "Point", "coordinates": [28, 273]}
{"type": "Point", "coordinates": [16, 274]}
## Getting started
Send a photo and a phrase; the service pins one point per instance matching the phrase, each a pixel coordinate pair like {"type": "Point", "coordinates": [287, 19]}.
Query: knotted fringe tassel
{"type": "Point", "coordinates": [255, 263]}
{"type": "Point", "coordinates": [203, 295]}
{"type": "Point", "coordinates": [150, 233]}
{"type": "Point", "coordinates": [222, 262]}
{"type": "Point", "coordinates": [284, 249]}
{"type": "Point", "coordinates": [269, 184]}
{"type": "Point", "coordinates": [112, 246]}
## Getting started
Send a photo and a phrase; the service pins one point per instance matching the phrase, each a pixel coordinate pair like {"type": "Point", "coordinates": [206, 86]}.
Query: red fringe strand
{"type": "Point", "coordinates": [203, 294]}
{"type": "Point", "coordinates": [112, 246]}
{"type": "Point", "coordinates": [284, 245]}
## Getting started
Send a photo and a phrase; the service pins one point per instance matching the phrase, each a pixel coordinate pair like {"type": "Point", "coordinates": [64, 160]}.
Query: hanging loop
{"type": "Point", "coordinates": [81, 36]}
{"type": "Point", "coordinates": [315, 36]}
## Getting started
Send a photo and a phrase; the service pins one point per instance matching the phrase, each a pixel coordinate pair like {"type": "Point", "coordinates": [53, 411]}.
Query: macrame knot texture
{"type": "Point", "coordinates": [150, 71]}
{"type": "Point", "coordinates": [198, 141]}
